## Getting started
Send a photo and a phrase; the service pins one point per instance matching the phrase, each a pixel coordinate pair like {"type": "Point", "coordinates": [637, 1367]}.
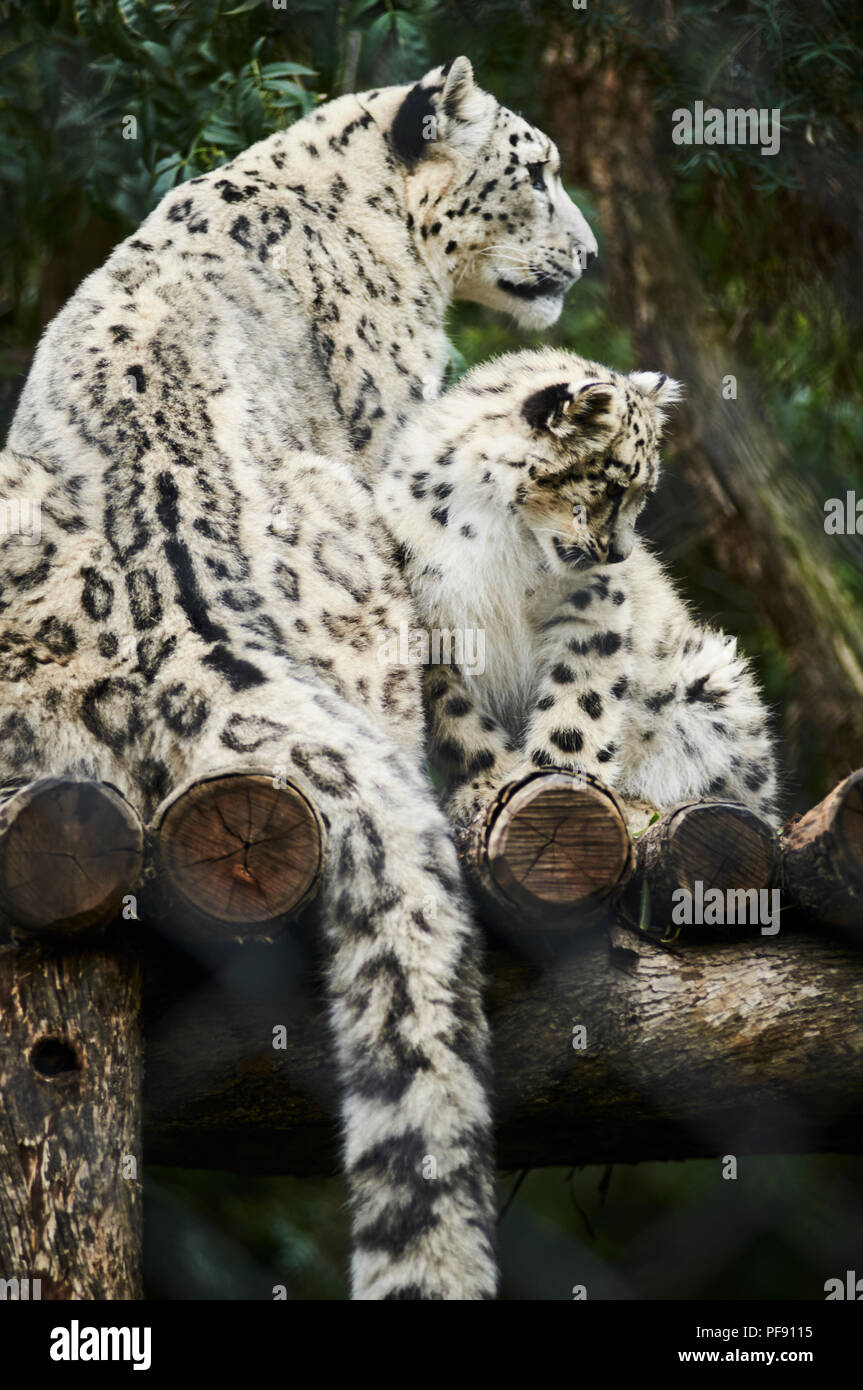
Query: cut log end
{"type": "Point", "coordinates": [238, 852]}
{"type": "Point", "coordinates": [69, 851]}
{"type": "Point", "coordinates": [722, 845]}
{"type": "Point", "coordinates": [821, 857]}
{"type": "Point", "coordinates": [550, 848]}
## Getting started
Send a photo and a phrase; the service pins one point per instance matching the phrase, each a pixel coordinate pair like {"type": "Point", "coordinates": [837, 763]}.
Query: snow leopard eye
{"type": "Point", "coordinates": [536, 174]}
{"type": "Point", "coordinates": [614, 490]}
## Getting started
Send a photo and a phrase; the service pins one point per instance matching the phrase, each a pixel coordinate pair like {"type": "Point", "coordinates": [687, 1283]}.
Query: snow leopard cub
{"type": "Point", "coordinates": [514, 498]}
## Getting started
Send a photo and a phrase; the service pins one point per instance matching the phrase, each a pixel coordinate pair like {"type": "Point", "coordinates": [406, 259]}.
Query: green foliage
{"type": "Point", "coordinates": [107, 104]}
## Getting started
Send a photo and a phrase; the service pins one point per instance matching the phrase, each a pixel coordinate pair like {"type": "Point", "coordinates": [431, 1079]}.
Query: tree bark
{"type": "Point", "coordinates": [821, 856]}
{"type": "Point", "coordinates": [726, 1045]}
{"type": "Point", "coordinates": [70, 1150]}
{"type": "Point", "coordinates": [764, 525]}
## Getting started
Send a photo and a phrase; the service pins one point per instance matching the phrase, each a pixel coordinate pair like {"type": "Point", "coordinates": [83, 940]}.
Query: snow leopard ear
{"type": "Point", "coordinates": [663, 390]}
{"type": "Point", "coordinates": [567, 408]}
{"type": "Point", "coordinates": [444, 107]}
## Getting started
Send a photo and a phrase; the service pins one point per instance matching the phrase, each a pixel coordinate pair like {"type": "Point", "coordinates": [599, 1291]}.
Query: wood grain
{"type": "Point", "coordinates": [237, 854]}
{"type": "Point", "coordinates": [720, 843]}
{"type": "Point", "coordinates": [550, 849]}
{"type": "Point", "coordinates": [70, 850]}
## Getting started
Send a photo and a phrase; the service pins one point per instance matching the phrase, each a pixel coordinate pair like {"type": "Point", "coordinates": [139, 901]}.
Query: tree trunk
{"type": "Point", "coordinates": [70, 1151]}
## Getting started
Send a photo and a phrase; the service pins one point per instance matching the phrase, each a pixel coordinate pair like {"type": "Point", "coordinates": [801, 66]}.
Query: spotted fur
{"type": "Point", "coordinates": [199, 427]}
{"type": "Point", "coordinates": [514, 500]}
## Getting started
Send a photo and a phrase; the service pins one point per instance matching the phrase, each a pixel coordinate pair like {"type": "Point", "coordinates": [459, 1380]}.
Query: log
{"type": "Point", "coordinates": [720, 844]}
{"type": "Point", "coordinates": [70, 849]}
{"type": "Point", "coordinates": [821, 857]}
{"type": "Point", "coordinates": [236, 854]}
{"type": "Point", "coordinates": [70, 1141]}
{"type": "Point", "coordinates": [752, 1045]}
{"type": "Point", "coordinates": [551, 850]}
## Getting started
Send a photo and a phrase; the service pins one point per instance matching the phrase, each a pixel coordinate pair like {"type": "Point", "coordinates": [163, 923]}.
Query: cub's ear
{"type": "Point", "coordinates": [662, 390]}
{"type": "Point", "coordinates": [444, 107]}
{"type": "Point", "coordinates": [544, 409]}
{"type": "Point", "coordinates": [568, 408]}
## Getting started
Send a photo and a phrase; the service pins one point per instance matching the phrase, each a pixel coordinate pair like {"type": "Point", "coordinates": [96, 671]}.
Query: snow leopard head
{"type": "Point", "coordinates": [487, 208]}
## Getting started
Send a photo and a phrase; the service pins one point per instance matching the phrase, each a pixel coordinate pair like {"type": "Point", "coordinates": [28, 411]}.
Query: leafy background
{"type": "Point", "coordinates": [775, 244]}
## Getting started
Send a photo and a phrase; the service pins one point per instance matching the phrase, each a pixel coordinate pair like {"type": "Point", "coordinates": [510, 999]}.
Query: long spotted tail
{"type": "Point", "coordinates": [412, 1049]}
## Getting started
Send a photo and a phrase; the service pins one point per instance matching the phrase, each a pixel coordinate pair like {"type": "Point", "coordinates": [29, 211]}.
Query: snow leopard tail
{"type": "Point", "coordinates": [412, 1048]}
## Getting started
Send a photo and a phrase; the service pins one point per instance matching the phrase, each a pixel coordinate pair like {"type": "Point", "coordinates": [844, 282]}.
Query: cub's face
{"type": "Point", "coordinates": [490, 214]}
{"type": "Point", "coordinates": [591, 459]}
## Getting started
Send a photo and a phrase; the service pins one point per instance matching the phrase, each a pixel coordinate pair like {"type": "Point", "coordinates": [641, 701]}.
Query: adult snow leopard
{"type": "Point", "coordinates": [198, 429]}
{"type": "Point", "coordinates": [514, 498]}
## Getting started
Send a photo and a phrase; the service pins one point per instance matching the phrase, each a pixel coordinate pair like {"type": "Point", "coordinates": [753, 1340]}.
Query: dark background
{"type": "Point", "coordinates": [714, 261]}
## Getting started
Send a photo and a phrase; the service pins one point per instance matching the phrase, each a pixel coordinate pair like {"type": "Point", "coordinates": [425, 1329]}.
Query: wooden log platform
{"type": "Point", "coordinates": [621, 1050]}
{"type": "Point", "coordinates": [236, 854]}
{"type": "Point", "coordinates": [552, 849]}
{"type": "Point", "coordinates": [821, 857]}
{"type": "Point", "coordinates": [70, 849]}
{"type": "Point", "coordinates": [718, 844]}
{"type": "Point", "coordinates": [745, 1045]}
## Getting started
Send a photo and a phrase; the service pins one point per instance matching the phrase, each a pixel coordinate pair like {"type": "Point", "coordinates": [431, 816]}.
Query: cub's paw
{"type": "Point", "coordinates": [469, 801]}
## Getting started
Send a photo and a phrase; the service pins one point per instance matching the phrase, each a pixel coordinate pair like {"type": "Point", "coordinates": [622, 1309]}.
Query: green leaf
{"type": "Point", "coordinates": [653, 819]}
{"type": "Point", "coordinates": [159, 52]}
{"type": "Point", "coordinates": [166, 171]}
{"type": "Point", "coordinates": [246, 5]}
{"type": "Point", "coordinates": [287, 70]}
{"type": "Point", "coordinates": [644, 909]}
{"type": "Point", "coordinates": [376, 36]}
{"type": "Point", "coordinates": [139, 19]}
{"type": "Point", "coordinates": [88, 21]}
{"type": "Point", "coordinates": [288, 91]}
{"type": "Point", "coordinates": [222, 130]}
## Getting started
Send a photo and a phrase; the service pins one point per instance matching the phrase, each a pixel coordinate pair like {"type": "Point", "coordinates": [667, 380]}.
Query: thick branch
{"type": "Point", "coordinates": [726, 1046]}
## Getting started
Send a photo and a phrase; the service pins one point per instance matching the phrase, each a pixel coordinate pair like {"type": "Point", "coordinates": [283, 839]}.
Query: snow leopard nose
{"type": "Point", "coordinates": [621, 543]}
{"type": "Point", "coordinates": [619, 550]}
{"type": "Point", "coordinates": [584, 245]}
{"type": "Point", "coordinates": [583, 256]}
